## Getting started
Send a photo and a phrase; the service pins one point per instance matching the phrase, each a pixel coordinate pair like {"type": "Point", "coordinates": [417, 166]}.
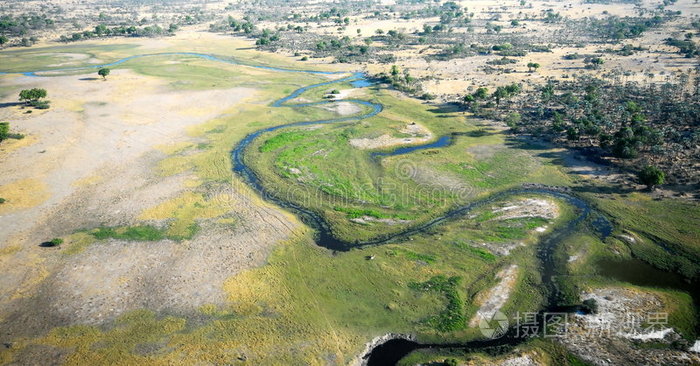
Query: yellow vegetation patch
{"type": "Point", "coordinates": [36, 274]}
{"type": "Point", "coordinates": [9, 250]}
{"type": "Point", "coordinates": [174, 148]}
{"type": "Point", "coordinates": [187, 208]}
{"type": "Point", "coordinates": [192, 182]}
{"type": "Point", "coordinates": [10, 145]}
{"type": "Point", "coordinates": [23, 193]}
{"type": "Point", "coordinates": [72, 105]}
{"type": "Point", "coordinates": [76, 243]}
{"type": "Point", "coordinates": [133, 331]}
{"type": "Point", "coordinates": [639, 197]}
{"type": "Point", "coordinates": [88, 180]}
{"type": "Point", "coordinates": [174, 165]}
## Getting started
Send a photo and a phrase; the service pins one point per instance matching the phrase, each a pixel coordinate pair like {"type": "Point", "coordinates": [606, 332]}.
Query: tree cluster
{"type": "Point", "coordinates": [654, 124]}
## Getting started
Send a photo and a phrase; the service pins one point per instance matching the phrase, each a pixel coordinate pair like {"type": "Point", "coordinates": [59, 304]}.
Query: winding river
{"type": "Point", "coordinates": [393, 350]}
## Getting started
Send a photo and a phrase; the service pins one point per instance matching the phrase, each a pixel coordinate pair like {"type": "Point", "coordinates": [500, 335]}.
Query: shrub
{"type": "Point", "coordinates": [591, 305]}
{"type": "Point", "coordinates": [651, 176]}
{"type": "Point", "coordinates": [53, 242]}
{"type": "Point", "coordinates": [40, 104]}
{"type": "Point", "coordinates": [4, 130]}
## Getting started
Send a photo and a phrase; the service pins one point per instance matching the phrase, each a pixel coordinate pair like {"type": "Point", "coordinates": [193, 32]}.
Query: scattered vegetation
{"type": "Point", "coordinates": [138, 233]}
{"type": "Point", "coordinates": [33, 97]}
{"type": "Point", "coordinates": [626, 124]}
{"type": "Point", "coordinates": [55, 242]}
{"type": "Point", "coordinates": [452, 318]}
{"type": "Point", "coordinates": [5, 132]}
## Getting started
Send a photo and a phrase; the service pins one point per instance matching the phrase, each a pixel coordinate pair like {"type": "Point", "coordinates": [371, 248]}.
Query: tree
{"type": "Point", "coordinates": [32, 95]}
{"type": "Point", "coordinates": [481, 93]}
{"type": "Point", "coordinates": [3, 40]}
{"type": "Point", "coordinates": [103, 72]}
{"type": "Point", "coordinates": [651, 176]}
{"type": "Point", "coordinates": [505, 92]}
{"type": "Point", "coordinates": [4, 130]}
{"type": "Point", "coordinates": [593, 62]}
{"type": "Point", "coordinates": [394, 71]}
{"type": "Point", "coordinates": [532, 66]}
{"type": "Point", "coordinates": [591, 305]}
{"type": "Point", "coordinates": [468, 99]}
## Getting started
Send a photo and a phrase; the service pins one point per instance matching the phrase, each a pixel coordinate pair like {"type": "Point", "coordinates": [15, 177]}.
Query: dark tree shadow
{"type": "Point", "coordinates": [604, 189]}
{"type": "Point", "coordinates": [476, 133]}
{"type": "Point", "coordinates": [445, 108]}
{"type": "Point", "coordinates": [47, 244]}
{"type": "Point", "coordinates": [88, 79]}
{"type": "Point", "coordinates": [519, 143]}
{"type": "Point", "coordinates": [10, 104]}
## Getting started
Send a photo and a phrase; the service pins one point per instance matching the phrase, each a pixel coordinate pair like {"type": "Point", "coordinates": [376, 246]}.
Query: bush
{"type": "Point", "coordinates": [2, 200]}
{"type": "Point", "coordinates": [4, 130]}
{"type": "Point", "coordinates": [40, 104]}
{"type": "Point", "coordinates": [591, 305]}
{"type": "Point", "coordinates": [651, 176]}
{"type": "Point", "coordinates": [53, 242]}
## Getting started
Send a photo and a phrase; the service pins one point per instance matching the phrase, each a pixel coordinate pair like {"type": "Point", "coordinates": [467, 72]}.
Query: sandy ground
{"type": "Point", "coordinates": [417, 132]}
{"type": "Point", "coordinates": [91, 160]}
{"type": "Point", "coordinates": [605, 338]}
{"type": "Point", "coordinates": [343, 108]}
{"type": "Point", "coordinates": [494, 299]}
{"type": "Point", "coordinates": [529, 207]}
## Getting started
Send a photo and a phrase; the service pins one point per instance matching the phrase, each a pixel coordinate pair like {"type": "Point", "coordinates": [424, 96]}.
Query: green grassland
{"type": "Point", "coordinates": [319, 168]}
{"type": "Point", "coordinates": [308, 305]}
{"type": "Point", "coordinates": [55, 57]}
{"type": "Point", "coordinates": [291, 311]}
{"type": "Point", "coordinates": [666, 231]}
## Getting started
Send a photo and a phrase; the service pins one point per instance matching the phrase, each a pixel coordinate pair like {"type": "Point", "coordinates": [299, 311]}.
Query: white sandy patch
{"type": "Point", "coordinates": [624, 317]}
{"type": "Point", "coordinates": [656, 334]}
{"type": "Point", "coordinates": [418, 133]}
{"type": "Point", "coordinates": [370, 219]}
{"type": "Point", "coordinates": [628, 238]}
{"type": "Point", "coordinates": [343, 108]}
{"type": "Point", "coordinates": [529, 207]}
{"type": "Point", "coordinates": [524, 360]}
{"type": "Point", "coordinates": [345, 93]}
{"type": "Point", "coordinates": [497, 296]}
{"type": "Point", "coordinates": [696, 347]}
